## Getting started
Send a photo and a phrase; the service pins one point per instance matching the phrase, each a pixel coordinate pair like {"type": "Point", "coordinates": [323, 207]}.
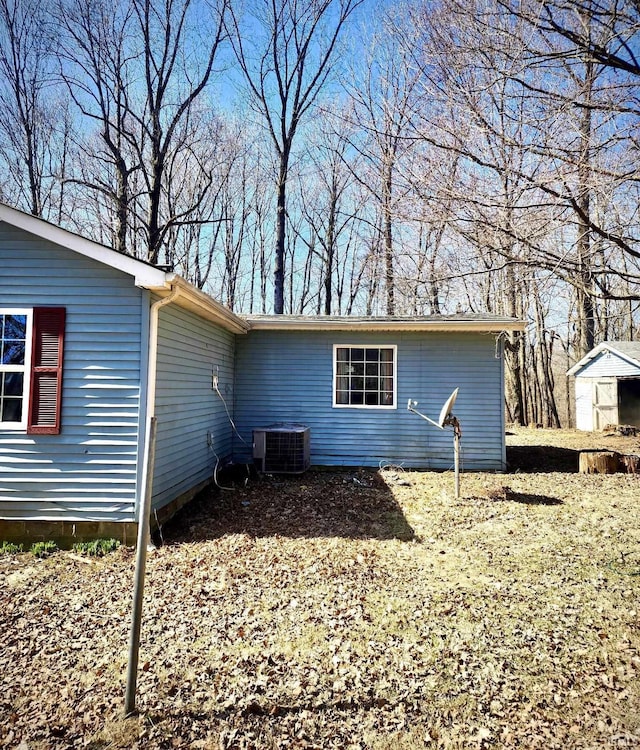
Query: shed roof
{"type": "Point", "coordinates": [627, 350]}
{"type": "Point", "coordinates": [466, 322]}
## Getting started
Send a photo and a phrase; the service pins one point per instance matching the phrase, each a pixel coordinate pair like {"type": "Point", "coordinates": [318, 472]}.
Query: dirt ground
{"type": "Point", "coordinates": [557, 450]}
{"type": "Point", "coordinates": [354, 609]}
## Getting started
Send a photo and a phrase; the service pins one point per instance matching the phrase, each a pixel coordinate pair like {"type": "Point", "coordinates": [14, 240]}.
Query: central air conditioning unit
{"type": "Point", "coordinates": [282, 448]}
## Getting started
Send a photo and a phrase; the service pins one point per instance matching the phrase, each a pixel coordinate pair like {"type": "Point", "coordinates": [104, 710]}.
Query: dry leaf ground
{"type": "Point", "coordinates": [349, 610]}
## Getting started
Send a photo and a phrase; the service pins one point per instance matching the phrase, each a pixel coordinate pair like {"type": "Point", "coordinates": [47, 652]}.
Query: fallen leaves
{"type": "Point", "coordinates": [340, 610]}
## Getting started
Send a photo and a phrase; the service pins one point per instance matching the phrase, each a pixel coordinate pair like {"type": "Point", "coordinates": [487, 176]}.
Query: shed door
{"type": "Point", "coordinates": [605, 403]}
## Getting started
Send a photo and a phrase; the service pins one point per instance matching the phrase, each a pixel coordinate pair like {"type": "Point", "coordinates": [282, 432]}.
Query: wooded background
{"type": "Point", "coordinates": [348, 156]}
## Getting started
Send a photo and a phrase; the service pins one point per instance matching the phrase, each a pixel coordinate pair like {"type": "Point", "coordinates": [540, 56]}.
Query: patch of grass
{"type": "Point", "coordinates": [43, 549]}
{"type": "Point", "coordinates": [9, 548]}
{"type": "Point", "coordinates": [117, 734]}
{"type": "Point", "coordinates": [96, 548]}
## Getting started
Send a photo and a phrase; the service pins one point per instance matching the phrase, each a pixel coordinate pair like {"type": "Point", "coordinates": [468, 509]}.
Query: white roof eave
{"type": "Point", "coordinates": [467, 326]}
{"type": "Point", "coordinates": [144, 275]}
{"type": "Point", "coordinates": [198, 301]}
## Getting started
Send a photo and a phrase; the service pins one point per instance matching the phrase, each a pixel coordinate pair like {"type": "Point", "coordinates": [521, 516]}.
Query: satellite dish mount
{"type": "Point", "coordinates": [446, 419]}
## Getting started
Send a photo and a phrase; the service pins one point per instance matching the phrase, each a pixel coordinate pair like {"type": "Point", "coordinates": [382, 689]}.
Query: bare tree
{"type": "Point", "coordinates": [330, 207]}
{"type": "Point", "coordinates": [172, 86]}
{"type": "Point", "coordinates": [96, 62]}
{"type": "Point", "coordinates": [593, 43]}
{"type": "Point", "coordinates": [383, 92]}
{"type": "Point", "coordinates": [31, 150]}
{"type": "Point", "coordinates": [286, 53]}
{"type": "Point", "coordinates": [128, 71]}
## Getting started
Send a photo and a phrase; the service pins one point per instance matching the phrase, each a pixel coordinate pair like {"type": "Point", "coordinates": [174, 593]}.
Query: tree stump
{"type": "Point", "coordinates": [599, 462]}
{"type": "Point", "coordinates": [631, 462]}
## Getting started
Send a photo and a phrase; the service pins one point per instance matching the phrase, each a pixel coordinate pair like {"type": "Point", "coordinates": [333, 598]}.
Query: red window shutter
{"type": "Point", "coordinates": [45, 392]}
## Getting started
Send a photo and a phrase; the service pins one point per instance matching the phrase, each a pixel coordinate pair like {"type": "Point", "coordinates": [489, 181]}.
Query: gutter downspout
{"type": "Point", "coordinates": [153, 351]}
{"type": "Point", "coordinates": [144, 511]}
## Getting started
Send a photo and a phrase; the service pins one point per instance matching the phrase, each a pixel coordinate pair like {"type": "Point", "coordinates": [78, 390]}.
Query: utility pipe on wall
{"type": "Point", "coordinates": [144, 511]}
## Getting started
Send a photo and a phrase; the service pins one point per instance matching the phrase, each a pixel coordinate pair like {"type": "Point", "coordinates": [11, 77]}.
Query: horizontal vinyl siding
{"type": "Point", "coordinates": [88, 472]}
{"type": "Point", "coordinates": [287, 376]}
{"type": "Point", "coordinates": [609, 365]}
{"type": "Point", "coordinates": [189, 412]}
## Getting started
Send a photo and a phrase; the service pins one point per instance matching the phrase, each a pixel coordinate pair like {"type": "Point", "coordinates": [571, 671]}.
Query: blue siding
{"type": "Point", "coordinates": [89, 471]}
{"type": "Point", "coordinates": [287, 376]}
{"type": "Point", "coordinates": [193, 430]}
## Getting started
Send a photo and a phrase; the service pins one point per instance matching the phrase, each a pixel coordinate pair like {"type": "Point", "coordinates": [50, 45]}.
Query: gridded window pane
{"type": "Point", "coordinates": [13, 383]}
{"type": "Point", "coordinates": [15, 327]}
{"type": "Point", "coordinates": [11, 410]}
{"type": "Point", "coordinates": [364, 376]}
{"type": "Point", "coordinates": [12, 339]}
{"type": "Point", "coordinates": [13, 350]}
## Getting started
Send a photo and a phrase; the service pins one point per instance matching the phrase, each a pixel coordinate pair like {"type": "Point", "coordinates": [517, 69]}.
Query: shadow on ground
{"type": "Point", "coordinates": [529, 499]}
{"type": "Point", "coordinates": [354, 504]}
{"type": "Point", "coordinates": [541, 459]}
{"type": "Point", "coordinates": [504, 494]}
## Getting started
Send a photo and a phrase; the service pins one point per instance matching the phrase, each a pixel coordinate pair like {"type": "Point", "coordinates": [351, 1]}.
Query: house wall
{"type": "Point", "coordinates": [287, 376]}
{"type": "Point", "coordinates": [88, 472]}
{"type": "Point", "coordinates": [193, 429]}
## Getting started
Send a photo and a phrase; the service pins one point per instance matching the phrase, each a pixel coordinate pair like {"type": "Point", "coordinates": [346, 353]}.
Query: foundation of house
{"type": "Point", "coordinates": [67, 533]}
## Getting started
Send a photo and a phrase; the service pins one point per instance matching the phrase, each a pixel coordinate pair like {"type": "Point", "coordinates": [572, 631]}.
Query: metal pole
{"type": "Point", "coordinates": [456, 461]}
{"type": "Point", "coordinates": [141, 565]}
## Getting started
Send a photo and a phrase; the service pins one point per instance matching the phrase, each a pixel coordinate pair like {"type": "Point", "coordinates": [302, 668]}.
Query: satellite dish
{"type": "Point", "coordinates": [446, 408]}
{"type": "Point", "coordinates": [445, 418]}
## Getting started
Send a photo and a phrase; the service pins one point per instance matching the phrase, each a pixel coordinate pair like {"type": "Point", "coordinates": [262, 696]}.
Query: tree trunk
{"type": "Point", "coordinates": [586, 312]}
{"type": "Point", "coordinates": [331, 232]}
{"type": "Point", "coordinates": [281, 215]}
{"type": "Point", "coordinates": [512, 352]}
{"type": "Point", "coordinates": [388, 241]}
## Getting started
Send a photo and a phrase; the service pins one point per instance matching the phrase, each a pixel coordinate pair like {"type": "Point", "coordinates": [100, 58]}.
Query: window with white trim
{"type": "Point", "coordinates": [15, 362]}
{"type": "Point", "coordinates": [31, 358]}
{"type": "Point", "coordinates": [364, 376]}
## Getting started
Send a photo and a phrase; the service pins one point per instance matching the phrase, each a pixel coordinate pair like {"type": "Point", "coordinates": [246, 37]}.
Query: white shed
{"type": "Point", "coordinates": [607, 386]}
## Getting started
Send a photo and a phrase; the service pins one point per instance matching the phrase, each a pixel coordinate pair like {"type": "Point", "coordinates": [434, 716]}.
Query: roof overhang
{"type": "Point", "coordinates": [435, 323]}
{"type": "Point", "coordinates": [144, 274]}
{"type": "Point", "coordinates": [191, 298]}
